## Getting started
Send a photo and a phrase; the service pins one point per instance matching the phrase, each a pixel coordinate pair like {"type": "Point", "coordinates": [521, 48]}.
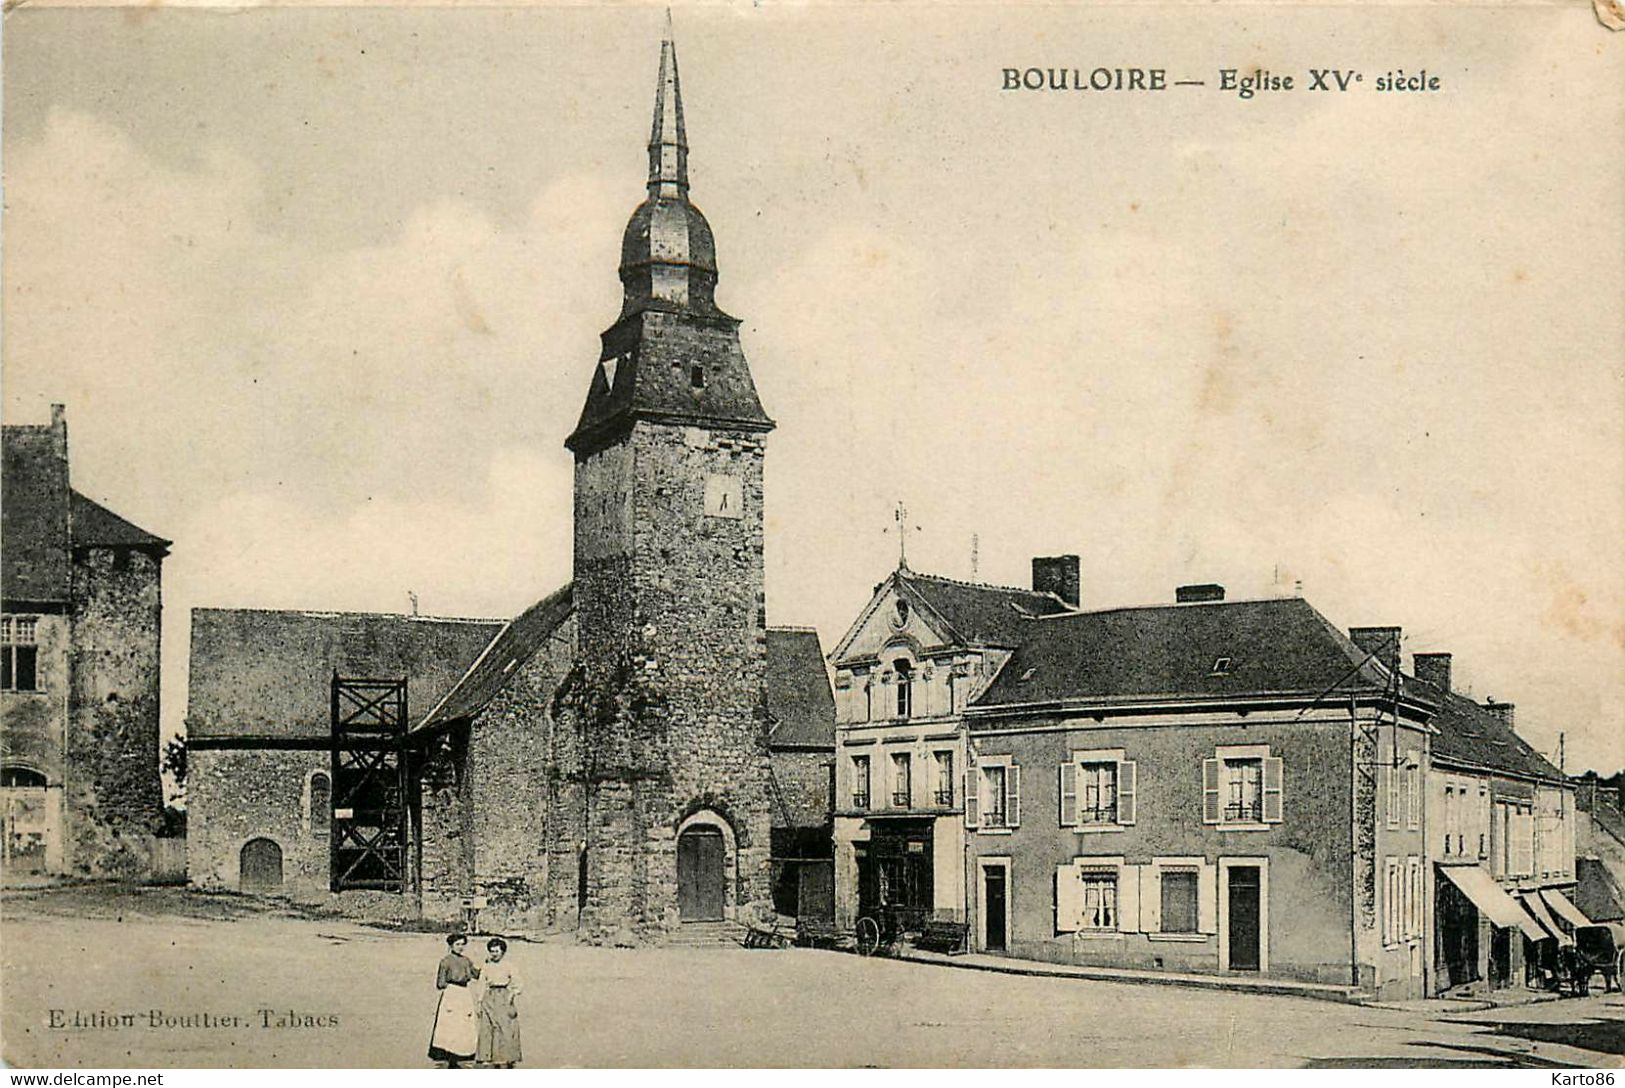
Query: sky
{"type": "Point", "coordinates": [321, 289]}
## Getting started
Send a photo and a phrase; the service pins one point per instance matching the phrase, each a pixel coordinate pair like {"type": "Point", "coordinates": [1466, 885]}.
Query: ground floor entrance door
{"type": "Point", "coordinates": [996, 900]}
{"type": "Point", "coordinates": [261, 866]}
{"type": "Point", "coordinates": [1244, 917]}
{"type": "Point", "coordinates": [700, 877]}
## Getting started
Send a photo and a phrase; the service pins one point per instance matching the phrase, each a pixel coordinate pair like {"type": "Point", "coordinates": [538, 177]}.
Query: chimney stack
{"type": "Point", "coordinates": [1207, 591]}
{"type": "Point", "coordinates": [1057, 574]}
{"type": "Point", "coordinates": [1380, 642]}
{"type": "Point", "coordinates": [1434, 669]}
{"type": "Point", "coordinates": [1501, 710]}
{"type": "Point", "coordinates": [59, 430]}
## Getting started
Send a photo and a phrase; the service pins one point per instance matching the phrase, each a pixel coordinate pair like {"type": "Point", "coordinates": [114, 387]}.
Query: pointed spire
{"type": "Point", "coordinates": [668, 142]}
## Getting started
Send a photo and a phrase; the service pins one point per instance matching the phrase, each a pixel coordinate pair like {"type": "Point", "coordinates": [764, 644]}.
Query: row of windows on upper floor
{"type": "Point", "coordinates": [1242, 788]}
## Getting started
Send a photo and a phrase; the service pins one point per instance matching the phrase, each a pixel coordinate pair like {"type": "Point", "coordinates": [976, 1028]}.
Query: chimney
{"type": "Point", "coordinates": [1434, 669]}
{"type": "Point", "coordinates": [1207, 591]}
{"type": "Point", "coordinates": [59, 430]}
{"type": "Point", "coordinates": [1057, 574]}
{"type": "Point", "coordinates": [1500, 710]}
{"type": "Point", "coordinates": [1380, 642]}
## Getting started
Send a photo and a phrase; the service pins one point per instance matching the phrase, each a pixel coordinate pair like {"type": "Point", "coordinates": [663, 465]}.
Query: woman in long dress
{"type": "Point", "coordinates": [498, 1018]}
{"type": "Point", "coordinates": [455, 1035]}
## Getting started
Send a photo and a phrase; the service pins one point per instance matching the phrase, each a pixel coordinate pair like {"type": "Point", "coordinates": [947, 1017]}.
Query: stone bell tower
{"type": "Point", "coordinates": [662, 784]}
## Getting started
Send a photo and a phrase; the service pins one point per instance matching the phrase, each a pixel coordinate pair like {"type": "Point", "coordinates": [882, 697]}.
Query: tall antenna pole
{"type": "Point", "coordinates": [902, 535]}
{"type": "Point", "coordinates": [975, 556]}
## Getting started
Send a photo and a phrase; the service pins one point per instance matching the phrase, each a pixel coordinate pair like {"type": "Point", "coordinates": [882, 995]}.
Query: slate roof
{"type": "Point", "coordinates": [1473, 738]}
{"type": "Point", "coordinates": [268, 674]}
{"type": "Point", "coordinates": [1597, 893]}
{"type": "Point", "coordinates": [95, 524]}
{"type": "Point", "coordinates": [517, 643]}
{"type": "Point", "coordinates": [1170, 651]}
{"type": "Point", "coordinates": [800, 704]}
{"type": "Point", "coordinates": [981, 614]}
{"type": "Point", "coordinates": [33, 516]}
{"type": "Point", "coordinates": [41, 517]}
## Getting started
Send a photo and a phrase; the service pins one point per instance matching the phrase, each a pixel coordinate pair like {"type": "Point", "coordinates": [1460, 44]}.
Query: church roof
{"type": "Point", "coordinates": [1175, 652]}
{"type": "Point", "coordinates": [515, 645]}
{"type": "Point", "coordinates": [800, 704]}
{"type": "Point", "coordinates": [259, 674]}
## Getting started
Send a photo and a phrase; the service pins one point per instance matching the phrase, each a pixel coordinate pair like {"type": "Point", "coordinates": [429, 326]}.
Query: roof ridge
{"type": "Point", "coordinates": [975, 585]}
{"type": "Point", "coordinates": [1169, 606]}
{"type": "Point", "coordinates": [321, 613]}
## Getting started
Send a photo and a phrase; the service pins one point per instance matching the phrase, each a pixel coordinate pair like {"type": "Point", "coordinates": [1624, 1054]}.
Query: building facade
{"type": "Point", "coordinates": [80, 789]}
{"type": "Point", "coordinates": [1501, 849]}
{"type": "Point", "coordinates": [1204, 787]}
{"type": "Point", "coordinates": [918, 652]}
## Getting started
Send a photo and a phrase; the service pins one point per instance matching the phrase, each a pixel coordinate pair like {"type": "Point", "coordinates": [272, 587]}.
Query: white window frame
{"type": "Point", "coordinates": [1413, 790]}
{"type": "Point", "coordinates": [1225, 754]}
{"type": "Point", "coordinates": [1392, 901]}
{"type": "Point", "coordinates": [938, 784]}
{"type": "Point", "coordinates": [1125, 788]}
{"type": "Point", "coordinates": [868, 781]}
{"type": "Point", "coordinates": [1011, 798]}
{"type": "Point", "coordinates": [1127, 894]}
{"type": "Point", "coordinates": [896, 759]}
{"type": "Point", "coordinates": [1263, 867]}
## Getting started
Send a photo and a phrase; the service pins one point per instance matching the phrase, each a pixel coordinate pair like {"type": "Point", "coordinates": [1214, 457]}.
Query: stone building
{"type": "Point", "coordinates": [259, 730]}
{"type": "Point", "coordinates": [79, 644]}
{"type": "Point", "coordinates": [635, 750]}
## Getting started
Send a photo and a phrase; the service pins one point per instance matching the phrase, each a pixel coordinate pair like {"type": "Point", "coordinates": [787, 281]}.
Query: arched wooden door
{"type": "Point", "coordinates": [261, 866]}
{"type": "Point", "coordinates": [700, 877]}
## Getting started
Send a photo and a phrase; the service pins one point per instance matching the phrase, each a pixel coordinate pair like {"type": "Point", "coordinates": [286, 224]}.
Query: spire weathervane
{"type": "Point", "coordinates": [668, 140]}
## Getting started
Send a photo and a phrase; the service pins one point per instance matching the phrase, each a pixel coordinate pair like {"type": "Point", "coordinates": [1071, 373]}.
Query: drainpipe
{"type": "Point", "coordinates": [1354, 842]}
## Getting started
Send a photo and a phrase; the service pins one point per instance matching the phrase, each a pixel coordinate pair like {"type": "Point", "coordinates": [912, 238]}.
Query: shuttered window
{"type": "Point", "coordinates": [1178, 901]}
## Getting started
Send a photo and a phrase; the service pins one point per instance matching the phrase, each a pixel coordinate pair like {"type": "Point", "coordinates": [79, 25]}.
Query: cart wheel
{"type": "Point", "coordinates": [868, 936]}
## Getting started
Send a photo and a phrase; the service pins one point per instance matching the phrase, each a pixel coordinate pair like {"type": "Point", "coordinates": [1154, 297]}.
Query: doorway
{"type": "Point", "coordinates": [995, 906]}
{"type": "Point", "coordinates": [1244, 915]}
{"type": "Point", "coordinates": [700, 874]}
{"type": "Point", "coordinates": [260, 866]}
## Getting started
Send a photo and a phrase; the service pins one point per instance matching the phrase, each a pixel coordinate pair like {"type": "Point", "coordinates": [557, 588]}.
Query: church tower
{"type": "Point", "coordinates": [661, 790]}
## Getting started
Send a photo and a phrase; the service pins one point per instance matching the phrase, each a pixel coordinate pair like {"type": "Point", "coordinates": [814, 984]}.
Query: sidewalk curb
{"type": "Point", "coordinates": [1036, 969]}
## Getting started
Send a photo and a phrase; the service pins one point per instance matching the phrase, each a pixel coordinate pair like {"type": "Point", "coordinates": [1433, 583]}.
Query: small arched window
{"type": "Point", "coordinates": [320, 815]}
{"type": "Point", "coordinates": [21, 777]}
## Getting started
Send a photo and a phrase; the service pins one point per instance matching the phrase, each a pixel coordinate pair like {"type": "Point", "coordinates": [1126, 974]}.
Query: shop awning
{"type": "Point", "coordinates": [1496, 905]}
{"type": "Point", "coordinates": [1531, 900]}
{"type": "Point", "coordinates": [1564, 908]}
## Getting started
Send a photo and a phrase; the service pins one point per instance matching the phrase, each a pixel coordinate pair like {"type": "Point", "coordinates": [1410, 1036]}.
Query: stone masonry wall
{"type": "Point", "coordinates": [114, 795]}
{"type": "Point", "coordinates": [236, 795]}
{"type": "Point", "coordinates": [670, 717]}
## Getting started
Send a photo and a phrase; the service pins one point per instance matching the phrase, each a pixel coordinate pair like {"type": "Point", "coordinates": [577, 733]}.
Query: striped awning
{"type": "Point", "coordinates": [1564, 908]}
{"type": "Point", "coordinates": [1493, 902]}
{"type": "Point", "coordinates": [1532, 901]}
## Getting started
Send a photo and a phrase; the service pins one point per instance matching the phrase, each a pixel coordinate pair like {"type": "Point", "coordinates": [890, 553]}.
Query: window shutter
{"type": "Point", "coordinates": [1272, 790]}
{"type": "Point", "coordinates": [1210, 791]}
{"type": "Point", "coordinates": [1207, 899]}
{"type": "Point", "coordinates": [1126, 791]}
{"type": "Point", "coordinates": [1394, 779]}
{"type": "Point", "coordinates": [1067, 777]}
{"type": "Point", "coordinates": [1012, 794]}
{"type": "Point", "coordinates": [973, 794]}
{"type": "Point", "coordinates": [1150, 899]}
{"type": "Point", "coordinates": [1068, 899]}
{"type": "Point", "coordinates": [1128, 898]}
